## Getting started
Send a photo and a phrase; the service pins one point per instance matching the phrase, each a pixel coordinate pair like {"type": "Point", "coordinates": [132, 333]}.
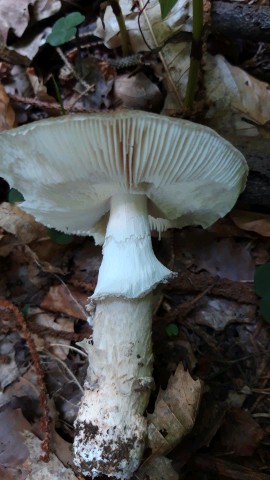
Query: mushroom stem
{"type": "Point", "coordinates": [110, 427]}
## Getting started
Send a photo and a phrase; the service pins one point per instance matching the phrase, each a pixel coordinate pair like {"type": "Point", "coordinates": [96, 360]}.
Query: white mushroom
{"type": "Point", "coordinates": [148, 172]}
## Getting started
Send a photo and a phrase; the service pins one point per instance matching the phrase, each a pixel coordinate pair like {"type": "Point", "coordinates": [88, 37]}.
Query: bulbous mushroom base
{"type": "Point", "coordinates": [108, 448]}
{"type": "Point", "coordinates": [110, 427]}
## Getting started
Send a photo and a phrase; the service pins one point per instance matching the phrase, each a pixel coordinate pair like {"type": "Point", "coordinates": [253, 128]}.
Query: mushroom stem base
{"type": "Point", "coordinates": [110, 427]}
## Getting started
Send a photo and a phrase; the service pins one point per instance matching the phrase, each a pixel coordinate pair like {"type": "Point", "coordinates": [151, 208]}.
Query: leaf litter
{"type": "Point", "coordinates": [219, 353]}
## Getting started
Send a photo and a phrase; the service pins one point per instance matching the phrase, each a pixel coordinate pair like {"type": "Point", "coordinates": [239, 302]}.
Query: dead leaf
{"type": "Point", "coordinates": [59, 325]}
{"type": "Point", "coordinates": [138, 92]}
{"type": "Point", "coordinates": [252, 221]}
{"type": "Point", "coordinates": [218, 313]}
{"type": "Point", "coordinates": [233, 94]}
{"type": "Point", "coordinates": [39, 89]}
{"type": "Point", "coordinates": [158, 468]}
{"type": "Point", "coordinates": [9, 369]}
{"type": "Point", "coordinates": [175, 412]}
{"type": "Point", "coordinates": [11, 56]}
{"type": "Point", "coordinates": [52, 470]}
{"type": "Point", "coordinates": [175, 57]}
{"type": "Point", "coordinates": [15, 15]}
{"type": "Point", "coordinates": [14, 454]}
{"type": "Point", "coordinates": [67, 300]}
{"type": "Point", "coordinates": [7, 114]}
{"type": "Point", "coordinates": [14, 220]}
{"type": "Point", "coordinates": [240, 433]}
{"type": "Point", "coordinates": [224, 257]}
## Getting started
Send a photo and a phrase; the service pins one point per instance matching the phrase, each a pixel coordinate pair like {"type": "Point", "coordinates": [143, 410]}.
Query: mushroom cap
{"type": "Point", "coordinates": [68, 168]}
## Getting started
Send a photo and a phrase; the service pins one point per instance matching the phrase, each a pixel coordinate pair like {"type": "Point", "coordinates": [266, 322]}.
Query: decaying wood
{"type": "Point", "coordinates": [187, 281]}
{"type": "Point", "coordinates": [241, 20]}
{"type": "Point", "coordinates": [257, 153]}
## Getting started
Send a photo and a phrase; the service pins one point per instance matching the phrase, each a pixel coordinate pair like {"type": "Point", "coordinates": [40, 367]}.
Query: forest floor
{"type": "Point", "coordinates": [206, 319]}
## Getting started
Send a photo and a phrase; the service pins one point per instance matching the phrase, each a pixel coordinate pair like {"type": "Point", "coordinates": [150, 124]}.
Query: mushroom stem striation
{"type": "Point", "coordinates": [110, 427]}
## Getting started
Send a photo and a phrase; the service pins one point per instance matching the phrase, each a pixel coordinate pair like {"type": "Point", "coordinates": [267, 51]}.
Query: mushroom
{"type": "Point", "coordinates": [116, 177]}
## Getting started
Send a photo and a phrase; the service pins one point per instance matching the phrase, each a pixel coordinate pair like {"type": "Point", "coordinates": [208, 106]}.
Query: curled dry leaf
{"type": "Point", "coordinates": [67, 300]}
{"type": "Point", "coordinates": [39, 88]}
{"type": "Point", "coordinates": [175, 57]}
{"type": "Point", "coordinates": [233, 94]}
{"type": "Point", "coordinates": [14, 220]}
{"type": "Point", "coordinates": [175, 412]}
{"type": "Point", "coordinates": [252, 221]}
{"type": "Point", "coordinates": [7, 114]}
{"type": "Point", "coordinates": [138, 92]}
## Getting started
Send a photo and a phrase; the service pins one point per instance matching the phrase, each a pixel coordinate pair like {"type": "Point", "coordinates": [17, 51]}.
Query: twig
{"type": "Point", "coordinates": [86, 85]}
{"type": "Point", "coordinates": [49, 106]}
{"type": "Point", "coordinates": [187, 281]}
{"type": "Point", "coordinates": [184, 309]}
{"type": "Point", "coordinates": [72, 376]}
{"type": "Point", "coordinates": [70, 348]}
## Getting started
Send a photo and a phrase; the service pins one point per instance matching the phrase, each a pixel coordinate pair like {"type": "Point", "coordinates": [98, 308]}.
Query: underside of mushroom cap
{"type": "Point", "coordinates": [68, 169]}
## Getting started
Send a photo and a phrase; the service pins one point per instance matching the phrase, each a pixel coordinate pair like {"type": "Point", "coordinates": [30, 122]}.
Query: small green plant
{"type": "Point", "coordinates": [166, 6]}
{"type": "Point", "coordinates": [59, 237]}
{"type": "Point", "coordinates": [14, 196]}
{"type": "Point", "coordinates": [262, 289]}
{"type": "Point", "coordinates": [65, 29]}
{"type": "Point", "coordinates": [172, 330]}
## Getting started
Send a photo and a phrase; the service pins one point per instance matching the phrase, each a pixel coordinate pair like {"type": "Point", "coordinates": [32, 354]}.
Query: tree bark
{"type": "Point", "coordinates": [257, 153]}
{"type": "Point", "coordinates": [241, 20]}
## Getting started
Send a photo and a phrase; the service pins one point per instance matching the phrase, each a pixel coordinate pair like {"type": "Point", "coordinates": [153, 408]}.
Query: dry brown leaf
{"type": "Point", "coordinates": [175, 57]}
{"type": "Point", "coordinates": [224, 257]}
{"type": "Point", "coordinates": [234, 95]}
{"type": "Point", "coordinates": [175, 412]}
{"type": "Point", "coordinates": [14, 464]}
{"type": "Point", "coordinates": [252, 221]}
{"type": "Point", "coordinates": [158, 468]}
{"type": "Point", "coordinates": [7, 114]}
{"type": "Point", "coordinates": [39, 88]}
{"type": "Point", "coordinates": [14, 220]}
{"type": "Point", "coordinates": [240, 433]}
{"type": "Point", "coordinates": [59, 325]}
{"type": "Point", "coordinates": [138, 92]}
{"type": "Point", "coordinates": [67, 300]}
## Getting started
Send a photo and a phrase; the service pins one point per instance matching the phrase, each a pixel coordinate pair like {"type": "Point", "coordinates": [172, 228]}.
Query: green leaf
{"type": "Point", "coordinates": [59, 237]}
{"type": "Point", "coordinates": [15, 196]}
{"type": "Point", "coordinates": [166, 6]}
{"type": "Point", "coordinates": [172, 330]}
{"type": "Point", "coordinates": [265, 308]}
{"type": "Point", "coordinates": [64, 29]}
{"type": "Point", "coordinates": [262, 280]}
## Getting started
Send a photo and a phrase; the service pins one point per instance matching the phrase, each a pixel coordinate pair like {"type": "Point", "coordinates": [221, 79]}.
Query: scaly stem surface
{"type": "Point", "coordinates": [110, 427]}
